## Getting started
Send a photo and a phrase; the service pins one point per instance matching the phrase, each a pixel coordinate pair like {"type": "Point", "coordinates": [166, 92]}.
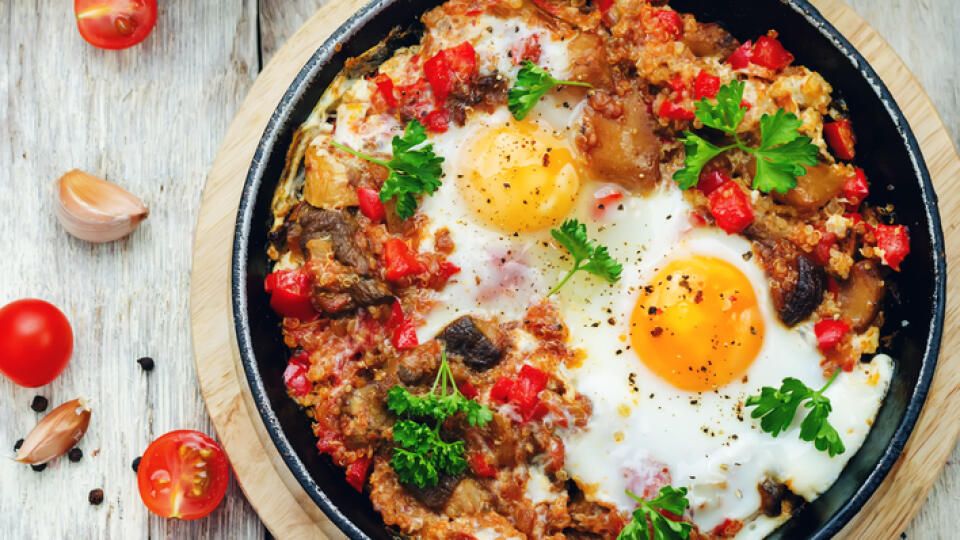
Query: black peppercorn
{"type": "Point", "coordinates": [75, 454]}
{"type": "Point", "coordinates": [136, 464]}
{"type": "Point", "coordinates": [39, 403]}
{"type": "Point", "coordinates": [17, 445]}
{"type": "Point", "coordinates": [96, 496]}
{"type": "Point", "coordinates": [39, 467]}
{"type": "Point", "coordinates": [146, 363]}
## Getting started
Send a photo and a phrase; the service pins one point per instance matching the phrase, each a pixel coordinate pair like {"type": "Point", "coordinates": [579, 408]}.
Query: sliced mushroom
{"type": "Point", "coordinates": [435, 497]}
{"type": "Point", "coordinates": [815, 189]}
{"type": "Point", "coordinates": [473, 341]}
{"type": "Point", "coordinates": [708, 40]}
{"type": "Point", "coordinates": [860, 295]}
{"type": "Point", "coordinates": [806, 294]}
{"type": "Point", "coordinates": [619, 141]}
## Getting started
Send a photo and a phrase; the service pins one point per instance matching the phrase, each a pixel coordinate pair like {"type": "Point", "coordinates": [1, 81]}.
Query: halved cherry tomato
{"type": "Point", "coordinates": [731, 207]}
{"type": "Point", "coordinates": [36, 342]}
{"type": "Point", "coordinates": [840, 136]}
{"type": "Point", "coordinates": [115, 24]}
{"type": "Point", "coordinates": [183, 474]}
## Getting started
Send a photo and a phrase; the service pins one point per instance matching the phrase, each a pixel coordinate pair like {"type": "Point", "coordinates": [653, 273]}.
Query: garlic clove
{"type": "Point", "coordinates": [95, 210]}
{"type": "Point", "coordinates": [57, 432]}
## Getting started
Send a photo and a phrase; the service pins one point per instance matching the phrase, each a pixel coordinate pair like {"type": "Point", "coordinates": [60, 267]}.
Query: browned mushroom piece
{"type": "Point", "coordinates": [708, 39]}
{"type": "Point", "coordinates": [435, 497]}
{"type": "Point", "coordinates": [814, 189]}
{"type": "Point", "coordinates": [860, 295]}
{"type": "Point", "coordinates": [619, 141]}
{"type": "Point", "coordinates": [473, 341]}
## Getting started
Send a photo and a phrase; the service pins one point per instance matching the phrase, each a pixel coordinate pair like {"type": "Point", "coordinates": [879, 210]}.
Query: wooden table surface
{"type": "Point", "coordinates": [151, 119]}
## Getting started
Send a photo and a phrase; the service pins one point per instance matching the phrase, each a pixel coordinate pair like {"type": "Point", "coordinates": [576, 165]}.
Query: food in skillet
{"type": "Point", "coordinates": [573, 269]}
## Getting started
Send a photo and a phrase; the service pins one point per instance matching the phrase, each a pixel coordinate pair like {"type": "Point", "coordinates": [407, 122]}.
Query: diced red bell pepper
{"type": "Point", "coordinates": [501, 390]}
{"type": "Point", "coordinates": [679, 86]}
{"type": "Point", "coordinates": [290, 294]}
{"type": "Point", "coordinates": [295, 375]}
{"type": "Point", "coordinates": [438, 121]}
{"type": "Point", "coordinates": [537, 412]}
{"type": "Point", "coordinates": [404, 333]}
{"type": "Point", "coordinates": [705, 85]}
{"type": "Point", "coordinates": [526, 49]}
{"type": "Point", "coordinates": [357, 473]}
{"type": "Point", "coordinates": [821, 252]}
{"type": "Point", "coordinates": [841, 138]}
{"type": "Point", "coordinates": [604, 5]}
{"type": "Point", "coordinates": [769, 53]}
{"type": "Point", "coordinates": [855, 218]}
{"type": "Point", "coordinates": [480, 466]}
{"type": "Point", "coordinates": [414, 100]}
{"type": "Point", "coordinates": [450, 66]}
{"type": "Point", "coordinates": [328, 441]}
{"type": "Point", "coordinates": [829, 332]}
{"type": "Point", "coordinates": [525, 393]}
{"type": "Point", "coordinates": [385, 88]}
{"type": "Point", "coordinates": [468, 390]}
{"type": "Point", "coordinates": [370, 204]}
{"type": "Point", "coordinates": [447, 269]}
{"type": "Point", "coordinates": [670, 22]}
{"type": "Point", "coordinates": [894, 240]}
{"type": "Point", "coordinates": [731, 207]}
{"type": "Point", "coordinates": [673, 111]}
{"type": "Point", "coordinates": [741, 57]}
{"type": "Point", "coordinates": [856, 189]}
{"type": "Point", "coordinates": [727, 529]}
{"type": "Point", "coordinates": [400, 260]}
{"type": "Point", "coordinates": [710, 179]}
{"type": "Point", "coordinates": [833, 287]}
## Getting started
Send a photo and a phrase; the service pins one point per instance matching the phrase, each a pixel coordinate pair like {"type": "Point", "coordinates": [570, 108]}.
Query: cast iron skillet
{"type": "Point", "coordinates": [886, 148]}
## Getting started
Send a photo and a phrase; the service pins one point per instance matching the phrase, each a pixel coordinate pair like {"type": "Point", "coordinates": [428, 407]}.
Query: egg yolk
{"type": "Point", "coordinates": [697, 324]}
{"type": "Point", "coordinates": [519, 177]}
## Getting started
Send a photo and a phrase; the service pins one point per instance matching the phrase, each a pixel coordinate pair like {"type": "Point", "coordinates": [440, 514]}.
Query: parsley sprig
{"type": "Point", "coordinates": [532, 83]}
{"type": "Point", "coordinates": [782, 153]}
{"type": "Point", "coordinates": [776, 409]}
{"type": "Point", "coordinates": [586, 256]}
{"type": "Point", "coordinates": [647, 516]}
{"type": "Point", "coordinates": [412, 170]}
{"type": "Point", "coordinates": [422, 454]}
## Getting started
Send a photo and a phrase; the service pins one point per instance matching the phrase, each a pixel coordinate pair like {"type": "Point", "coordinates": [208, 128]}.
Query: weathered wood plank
{"type": "Point", "coordinates": [150, 118]}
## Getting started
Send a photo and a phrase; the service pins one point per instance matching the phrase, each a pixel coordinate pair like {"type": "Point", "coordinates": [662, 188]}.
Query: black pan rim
{"type": "Point", "coordinates": [241, 245]}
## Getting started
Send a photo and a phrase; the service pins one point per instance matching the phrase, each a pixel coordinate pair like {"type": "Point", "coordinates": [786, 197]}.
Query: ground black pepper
{"type": "Point", "coordinates": [146, 363]}
{"type": "Point", "coordinates": [75, 454]}
{"type": "Point", "coordinates": [17, 445]}
{"type": "Point", "coordinates": [39, 403]}
{"type": "Point", "coordinates": [96, 496]}
{"type": "Point", "coordinates": [136, 464]}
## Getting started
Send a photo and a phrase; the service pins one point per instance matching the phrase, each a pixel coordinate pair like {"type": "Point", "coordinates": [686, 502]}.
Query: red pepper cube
{"type": "Point", "coordinates": [404, 334]}
{"type": "Point", "coordinates": [468, 390]}
{"type": "Point", "coordinates": [357, 473]}
{"type": "Point", "coordinates": [855, 189]}
{"type": "Point", "coordinates": [673, 111]}
{"type": "Point", "coordinates": [400, 260]}
{"type": "Point", "coordinates": [370, 204]}
{"type": "Point", "coordinates": [679, 87]}
{"type": "Point", "coordinates": [537, 412]}
{"type": "Point", "coordinates": [769, 53]}
{"type": "Point", "coordinates": [501, 390]}
{"type": "Point", "coordinates": [840, 137]}
{"type": "Point", "coordinates": [295, 375]}
{"type": "Point", "coordinates": [741, 57]}
{"type": "Point", "coordinates": [829, 332]}
{"type": "Point", "coordinates": [604, 5]}
{"type": "Point", "coordinates": [821, 252]}
{"type": "Point", "coordinates": [710, 179]}
{"type": "Point", "coordinates": [526, 49]}
{"type": "Point", "coordinates": [729, 528]}
{"type": "Point", "coordinates": [480, 466]}
{"type": "Point", "coordinates": [731, 207]}
{"type": "Point", "coordinates": [414, 100]}
{"type": "Point", "coordinates": [705, 85]}
{"type": "Point", "coordinates": [328, 441]}
{"type": "Point", "coordinates": [894, 241]}
{"type": "Point", "coordinates": [670, 22]}
{"type": "Point", "coordinates": [530, 382]}
{"type": "Point", "coordinates": [450, 66]}
{"type": "Point", "coordinates": [290, 294]}
{"type": "Point", "coordinates": [438, 121]}
{"type": "Point", "coordinates": [385, 89]}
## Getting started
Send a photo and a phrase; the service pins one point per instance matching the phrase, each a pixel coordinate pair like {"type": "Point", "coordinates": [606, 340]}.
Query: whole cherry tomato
{"type": "Point", "coordinates": [36, 342]}
{"type": "Point", "coordinates": [183, 474]}
{"type": "Point", "coordinates": [115, 24]}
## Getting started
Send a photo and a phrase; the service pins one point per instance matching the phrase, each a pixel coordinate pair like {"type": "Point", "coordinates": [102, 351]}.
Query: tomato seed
{"type": "Point", "coordinates": [146, 363]}
{"type": "Point", "coordinates": [39, 403]}
{"type": "Point", "coordinates": [75, 454]}
{"type": "Point", "coordinates": [96, 496]}
{"type": "Point", "coordinates": [136, 464]}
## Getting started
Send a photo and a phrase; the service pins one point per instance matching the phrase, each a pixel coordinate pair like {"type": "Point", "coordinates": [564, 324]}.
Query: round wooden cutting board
{"type": "Point", "coordinates": [272, 490]}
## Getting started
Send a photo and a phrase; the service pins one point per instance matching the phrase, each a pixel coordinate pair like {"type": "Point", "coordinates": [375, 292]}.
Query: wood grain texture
{"type": "Point", "coordinates": [149, 118]}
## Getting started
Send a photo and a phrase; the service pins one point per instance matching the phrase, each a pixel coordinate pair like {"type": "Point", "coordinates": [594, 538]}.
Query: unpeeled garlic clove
{"type": "Point", "coordinates": [95, 210]}
{"type": "Point", "coordinates": [57, 432]}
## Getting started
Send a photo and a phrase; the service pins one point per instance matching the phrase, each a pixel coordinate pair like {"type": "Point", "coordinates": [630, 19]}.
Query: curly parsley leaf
{"type": "Point", "coordinates": [777, 408]}
{"type": "Point", "coordinates": [532, 83]}
{"type": "Point", "coordinates": [782, 153]}
{"type": "Point", "coordinates": [586, 256]}
{"type": "Point", "coordinates": [414, 168]}
{"type": "Point", "coordinates": [648, 522]}
{"type": "Point", "coordinates": [421, 455]}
